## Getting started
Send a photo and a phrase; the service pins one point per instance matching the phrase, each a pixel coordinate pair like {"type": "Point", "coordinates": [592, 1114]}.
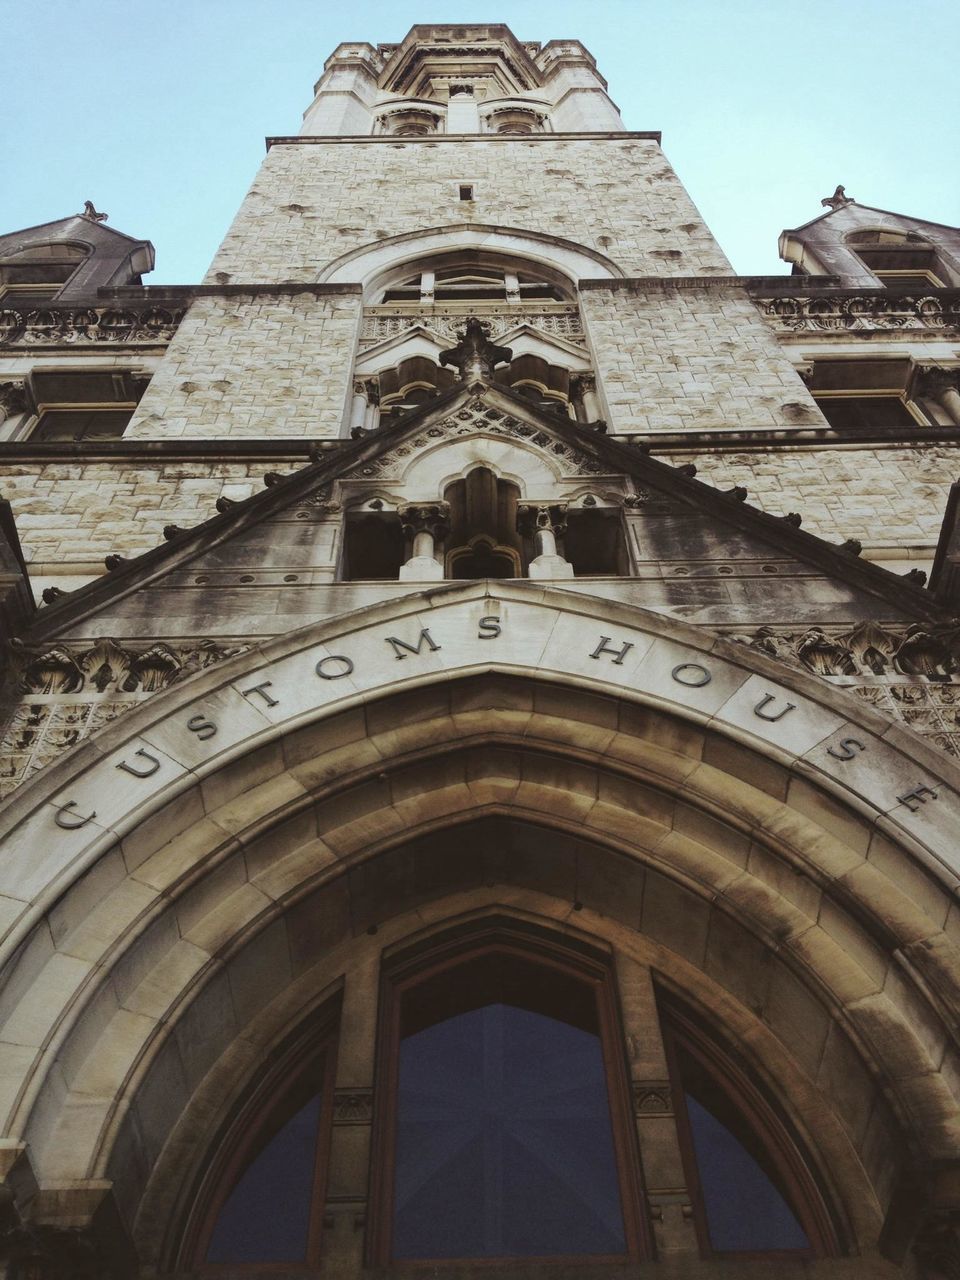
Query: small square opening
{"type": "Point", "coordinates": [466, 192]}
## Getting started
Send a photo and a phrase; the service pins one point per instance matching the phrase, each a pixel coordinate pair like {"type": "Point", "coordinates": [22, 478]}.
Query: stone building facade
{"type": "Point", "coordinates": [480, 715]}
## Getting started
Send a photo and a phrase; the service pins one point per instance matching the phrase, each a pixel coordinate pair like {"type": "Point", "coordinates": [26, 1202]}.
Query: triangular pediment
{"type": "Point", "coordinates": [270, 563]}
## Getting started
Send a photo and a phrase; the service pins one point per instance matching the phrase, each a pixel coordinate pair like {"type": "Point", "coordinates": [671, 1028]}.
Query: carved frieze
{"type": "Point", "coordinates": [90, 326]}
{"type": "Point", "coordinates": [476, 417]}
{"type": "Point", "coordinates": [846, 312]}
{"type": "Point", "coordinates": [910, 673]}
{"type": "Point", "coordinates": [553, 320]}
{"type": "Point", "coordinates": [70, 693]}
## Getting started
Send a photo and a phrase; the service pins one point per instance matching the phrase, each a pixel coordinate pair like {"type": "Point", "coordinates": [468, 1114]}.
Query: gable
{"type": "Point", "coordinates": [273, 562]}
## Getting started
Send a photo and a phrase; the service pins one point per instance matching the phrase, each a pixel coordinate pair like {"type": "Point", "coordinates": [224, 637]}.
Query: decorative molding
{"type": "Point", "coordinates": [476, 418]}
{"type": "Point", "coordinates": [909, 673]}
{"type": "Point", "coordinates": [651, 1098]}
{"type": "Point", "coordinates": [846, 311]}
{"type": "Point", "coordinates": [70, 693]}
{"type": "Point", "coordinates": [107, 666]}
{"type": "Point", "coordinates": [352, 1106]}
{"type": "Point", "coordinates": [88, 326]}
{"type": "Point", "coordinates": [13, 398]}
{"type": "Point", "coordinates": [551, 319]}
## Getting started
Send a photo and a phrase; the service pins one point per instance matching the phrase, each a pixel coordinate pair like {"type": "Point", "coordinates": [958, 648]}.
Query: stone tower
{"type": "Point", "coordinates": [479, 715]}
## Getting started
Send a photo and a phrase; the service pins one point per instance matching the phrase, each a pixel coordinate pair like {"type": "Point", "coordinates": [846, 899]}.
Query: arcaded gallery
{"type": "Point", "coordinates": [481, 715]}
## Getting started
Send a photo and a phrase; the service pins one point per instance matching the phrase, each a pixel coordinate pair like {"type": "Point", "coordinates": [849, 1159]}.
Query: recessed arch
{"type": "Point", "coordinates": [191, 881]}
{"type": "Point", "coordinates": [374, 263]}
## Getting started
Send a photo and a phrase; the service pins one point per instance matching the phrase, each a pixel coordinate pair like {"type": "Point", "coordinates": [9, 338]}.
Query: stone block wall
{"type": "Point", "coordinates": [312, 203]}
{"type": "Point", "coordinates": [252, 367]}
{"type": "Point", "coordinates": [70, 513]}
{"type": "Point", "coordinates": [691, 358]}
{"type": "Point", "coordinates": [883, 496]}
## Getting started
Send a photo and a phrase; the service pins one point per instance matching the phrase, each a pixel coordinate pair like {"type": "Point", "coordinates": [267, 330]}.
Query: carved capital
{"type": "Point", "coordinates": [934, 381]}
{"type": "Point", "coordinates": [534, 517]}
{"type": "Point", "coordinates": [425, 517]}
{"type": "Point", "coordinates": [13, 398]}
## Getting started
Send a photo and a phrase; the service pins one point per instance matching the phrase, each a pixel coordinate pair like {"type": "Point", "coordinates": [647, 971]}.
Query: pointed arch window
{"type": "Point", "coordinates": [260, 1201]}
{"type": "Point", "coordinates": [504, 1127]}
{"type": "Point", "coordinates": [751, 1183]}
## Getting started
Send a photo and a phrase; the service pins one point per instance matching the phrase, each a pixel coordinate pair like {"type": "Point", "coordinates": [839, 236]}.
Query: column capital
{"type": "Point", "coordinates": [534, 517]}
{"type": "Point", "coordinates": [933, 380]}
{"type": "Point", "coordinates": [13, 397]}
{"type": "Point", "coordinates": [425, 517]}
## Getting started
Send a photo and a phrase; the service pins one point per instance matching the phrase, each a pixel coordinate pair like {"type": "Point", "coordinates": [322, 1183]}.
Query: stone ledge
{"type": "Point", "coordinates": [299, 140]}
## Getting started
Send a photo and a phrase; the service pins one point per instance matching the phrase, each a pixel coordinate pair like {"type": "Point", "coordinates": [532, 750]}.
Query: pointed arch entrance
{"type": "Point", "coordinates": [245, 847]}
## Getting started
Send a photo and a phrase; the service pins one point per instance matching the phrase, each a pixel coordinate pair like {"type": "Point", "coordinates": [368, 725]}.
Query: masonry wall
{"type": "Point", "coordinates": [254, 366]}
{"type": "Point", "coordinates": [312, 203]}
{"type": "Point", "coordinates": [69, 513]}
{"type": "Point", "coordinates": [691, 358]}
{"type": "Point", "coordinates": [886, 497]}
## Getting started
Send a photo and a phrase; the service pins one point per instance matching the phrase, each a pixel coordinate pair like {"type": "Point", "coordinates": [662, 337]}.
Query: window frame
{"type": "Point", "coordinates": [575, 960]}
{"type": "Point", "coordinates": [238, 1136]}
{"type": "Point", "coordinates": [806, 1198]}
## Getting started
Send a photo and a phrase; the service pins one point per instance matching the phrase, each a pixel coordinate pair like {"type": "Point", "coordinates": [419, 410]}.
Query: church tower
{"type": "Point", "coordinates": [479, 723]}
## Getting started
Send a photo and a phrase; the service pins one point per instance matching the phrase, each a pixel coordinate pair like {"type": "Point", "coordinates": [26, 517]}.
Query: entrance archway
{"type": "Point", "coordinates": [203, 899]}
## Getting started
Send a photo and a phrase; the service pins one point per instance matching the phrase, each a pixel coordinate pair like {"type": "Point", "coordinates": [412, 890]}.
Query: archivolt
{"type": "Point", "coordinates": [221, 921]}
{"type": "Point", "coordinates": [372, 262]}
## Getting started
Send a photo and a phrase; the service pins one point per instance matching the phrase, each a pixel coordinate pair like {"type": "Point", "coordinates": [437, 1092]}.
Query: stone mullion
{"type": "Point", "coordinates": [668, 1200]}
{"type": "Point", "coordinates": [351, 1128]}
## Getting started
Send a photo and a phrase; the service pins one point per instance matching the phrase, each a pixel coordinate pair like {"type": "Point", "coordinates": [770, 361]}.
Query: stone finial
{"type": "Point", "coordinates": [90, 212]}
{"type": "Point", "coordinates": [475, 356]}
{"type": "Point", "coordinates": [837, 200]}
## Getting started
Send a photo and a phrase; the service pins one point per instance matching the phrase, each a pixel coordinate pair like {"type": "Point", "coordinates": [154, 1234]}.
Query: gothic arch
{"type": "Point", "coordinates": [375, 262]}
{"type": "Point", "coordinates": [225, 890]}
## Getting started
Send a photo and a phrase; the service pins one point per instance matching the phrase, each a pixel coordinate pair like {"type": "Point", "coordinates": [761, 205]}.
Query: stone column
{"type": "Point", "coordinates": [545, 524]}
{"type": "Point", "coordinates": [462, 113]}
{"type": "Point", "coordinates": [586, 392]}
{"type": "Point", "coordinates": [426, 523]}
{"type": "Point", "coordinates": [351, 1131]}
{"type": "Point", "coordinates": [942, 385]}
{"type": "Point", "coordinates": [365, 407]}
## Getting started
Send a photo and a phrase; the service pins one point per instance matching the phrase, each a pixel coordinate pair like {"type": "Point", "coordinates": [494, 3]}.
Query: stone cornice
{"type": "Point", "coordinates": [307, 140]}
{"type": "Point", "coordinates": [297, 448]}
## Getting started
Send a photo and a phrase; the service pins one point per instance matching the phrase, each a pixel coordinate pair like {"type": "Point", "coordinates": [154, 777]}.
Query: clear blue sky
{"type": "Point", "coordinates": [157, 111]}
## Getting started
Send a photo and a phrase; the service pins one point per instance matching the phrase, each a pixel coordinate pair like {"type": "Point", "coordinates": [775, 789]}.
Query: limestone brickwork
{"type": "Point", "coordinates": [885, 497]}
{"type": "Point", "coordinates": [690, 359]}
{"type": "Point", "coordinates": [311, 203]}
{"type": "Point", "coordinates": [78, 512]}
{"type": "Point", "coordinates": [255, 367]}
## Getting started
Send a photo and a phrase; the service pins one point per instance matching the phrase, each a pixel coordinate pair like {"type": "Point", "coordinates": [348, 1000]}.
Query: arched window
{"type": "Point", "coordinates": [260, 1200]}
{"type": "Point", "coordinates": [35, 276]}
{"type": "Point", "coordinates": [471, 277]}
{"type": "Point", "coordinates": [503, 1119]}
{"type": "Point", "coordinates": [483, 541]}
{"type": "Point", "coordinates": [749, 1179]}
{"type": "Point", "coordinates": [898, 258]}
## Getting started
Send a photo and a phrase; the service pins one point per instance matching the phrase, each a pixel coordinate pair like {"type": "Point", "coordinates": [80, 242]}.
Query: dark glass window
{"type": "Point", "coordinates": [82, 424]}
{"type": "Point", "coordinates": [503, 1129]}
{"type": "Point", "coordinates": [865, 413]}
{"type": "Point", "coordinates": [751, 1186]}
{"type": "Point", "coordinates": [746, 1205]}
{"type": "Point", "coordinates": [260, 1201]}
{"type": "Point", "coordinates": [266, 1216]}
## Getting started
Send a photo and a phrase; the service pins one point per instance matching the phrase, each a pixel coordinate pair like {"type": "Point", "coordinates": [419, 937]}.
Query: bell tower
{"type": "Point", "coordinates": [478, 741]}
